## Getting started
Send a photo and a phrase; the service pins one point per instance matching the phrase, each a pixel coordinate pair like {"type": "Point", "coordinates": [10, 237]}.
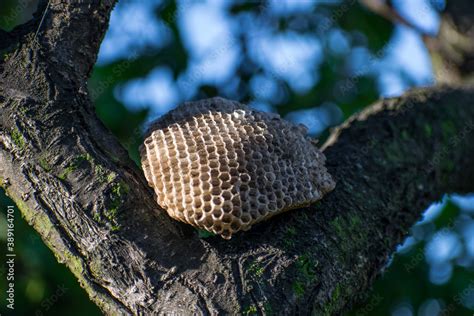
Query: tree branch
{"type": "Point", "coordinates": [76, 186]}
{"type": "Point", "coordinates": [452, 51]}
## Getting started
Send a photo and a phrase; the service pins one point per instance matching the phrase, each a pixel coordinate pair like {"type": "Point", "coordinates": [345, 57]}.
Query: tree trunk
{"type": "Point", "coordinates": [76, 186]}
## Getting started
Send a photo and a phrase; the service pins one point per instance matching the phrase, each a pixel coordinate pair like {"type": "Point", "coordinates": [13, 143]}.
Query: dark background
{"type": "Point", "coordinates": [314, 62]}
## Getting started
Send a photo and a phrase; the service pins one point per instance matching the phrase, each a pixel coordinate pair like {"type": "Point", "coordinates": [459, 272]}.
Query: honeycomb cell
{"type": "Point", "coordinates": [226, 218]}
{"type": "Point", "coordinates": [226, 185]}
{"type": "Point", "coordinates": [216, 191]}
{"type": "Point", "coordinates": [221, 166]}
{"type": "Point", "coordinates": [224, 176]}
{"type": "Point", "coordinates": [226, 195]}
{"type": "Point", "coordinates": [227, 207]}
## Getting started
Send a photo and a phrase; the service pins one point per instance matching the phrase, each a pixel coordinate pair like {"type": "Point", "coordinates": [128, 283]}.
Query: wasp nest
{"type": "Point", "coordinates": [221, 166]}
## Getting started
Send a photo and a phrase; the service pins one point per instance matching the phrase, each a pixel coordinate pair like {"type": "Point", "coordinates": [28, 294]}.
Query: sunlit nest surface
{"type": "Point", "coordinates": [221, 166]}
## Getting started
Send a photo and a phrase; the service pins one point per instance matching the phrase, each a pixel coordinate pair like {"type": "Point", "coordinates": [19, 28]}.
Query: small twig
{"type": "Point", "coordinates": [41, 22]}
{"type": "Point", "coordinates": [381, 8]}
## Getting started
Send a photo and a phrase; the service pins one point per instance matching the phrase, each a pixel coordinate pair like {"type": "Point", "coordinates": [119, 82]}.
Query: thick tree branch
{"type": "Point", "coordinates": [76, 185]}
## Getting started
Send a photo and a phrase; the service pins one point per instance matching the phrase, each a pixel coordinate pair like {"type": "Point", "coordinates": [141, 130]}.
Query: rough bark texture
{"type": "Point", "coordinates": [76, 185]}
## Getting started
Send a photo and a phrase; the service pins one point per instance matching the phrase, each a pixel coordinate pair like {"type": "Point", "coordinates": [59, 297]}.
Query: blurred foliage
{"type": "Point", "coordinates": [405, 285]}
{"type": "Point", "coordinates": [42, 285]}
{"type": "Point", "coordinates": [349, 40]}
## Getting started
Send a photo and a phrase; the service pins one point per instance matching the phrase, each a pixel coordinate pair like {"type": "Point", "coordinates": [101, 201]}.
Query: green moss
{"type": "Point", "coordinates": [100, 173]}
{"type": "Point", "coordinates": [351, 233]}
{"type": "Point", "coordinates": [338, 226]}
{"type": "Point", "coordinates": [405, 135]}
{"type": "Point", "coordinates": [74, 165]}
{"type": "Point", "coordinates": [307, 267]}
{"type": "Point", "coordinates": [267, 308]}
{"type": "Point", "coordinates": [428, 130]}
{"type": "Point", "coordinates": [44, 164]}
{"type": "Point", "coordinates": [448, 165]}
{"type": "Point", "coordinates": [449, 129]}
{"type": "Point", "coordinates": [305, 274]}
{"type": "Point", "coordinates": [256, 270]}
{"type": "Point", "coordinates": [63, 175]}
{"type": "Point", "coordinates": [392, 152]}
{"type": "Point", "coordinates": [110, 177]}
{"type": "Point", "coordinates": [117, 196]}
{"type": "Point", "coordinates": [289, 240]}
{"type": "Point", "coordinates": [250, 310]}
{"type": "Point", "coordinates": [97, 217]}
{"type": "Point", "coordinates": [18, 139]}
{"type": "Point", "coordinates": [120, 189]}
{"type": "Point", "coordinates": [333, 304]}
{"type": "Point", "coordinates": [298, 288]}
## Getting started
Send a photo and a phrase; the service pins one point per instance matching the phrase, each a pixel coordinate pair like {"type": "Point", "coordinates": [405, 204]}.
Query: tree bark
{"type": "Point", "coordinates": [76, 186]}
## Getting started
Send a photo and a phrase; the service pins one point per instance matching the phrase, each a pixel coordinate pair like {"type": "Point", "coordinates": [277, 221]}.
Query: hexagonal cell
{"type": "Point", "coordinates": [217, 200]}
{"type": "Point", "coordinates": [226, 218]}
{"type": "Point", "coordinates": [255, 214]}
{"type": "Point", "coordinates": [216, 191]}
{"type": "Point", "coordinates": [245, 177]}
{"type": "Point", "coordinates": [228, 143]}
{"type": "Point", "coordinates": [230, 162]}
{"type": "Point", "coordinates": [257, 156]}
{"type": "Point", "coordinates": [236, 211]}
{"type": "Point", "coordinates": [235, 226]}
{"type": "Point", "coordinates": [224, 176]}
{"type": "Point", "coordinates": [214, 173]}
{"type": "Point", "coordinates": [262, 199]}
{"type": "Point", "coordinates": [221, 151]}
{"type": "Point", "coordinates": [216, 182]}
{"type": "Point", "coordinates": [205, 177]}
{"type": "Point", "coordinates": [233, 164]}
{"type": "Point", "coordinates": [272, 206]}
{"type": "Point", "coordinates": [213, 164]}
{"type": "Point", "coordinates": [198, 216]}
{"type": "Point", "coordinates": [233, 172]}
{"type": "Point", "coordinates": [226, 185]}
{"type": "Point", "coordinates": [205, 186]}
{"type": "Point", "coordinates": [174, 162]}
{"type": "Point", "coordinates": [197, 203]}
{"type": "Point", "coordinates": [207, 208]}
{"type": "Point", "coordinates": [188, 200]}
{"type": "Point", "coordinates": [207, 222]}
{"type": "Point", "coordinates": [212, 155]}
{"type": "Point", "coordinates": [206, 197]}
{"type": "Point", "coordinates": [195, 182]}
{"type": "Point", "coordinates": [216, 213]}
{"type": "Point", "coordinates": [251, 168]}
{"type": "Point", "coordinates": [231, 155]}
{"type": "Point", "coordinates": [261, 182]}
{"type": "Point", "coordinates": [227, 207]}
{"type": "Point", "coordinates": [246, 218]}
{"type": "Point", "coordinates": [226, 195]}
{"type": "Point", "coordinates": [263, 210]}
